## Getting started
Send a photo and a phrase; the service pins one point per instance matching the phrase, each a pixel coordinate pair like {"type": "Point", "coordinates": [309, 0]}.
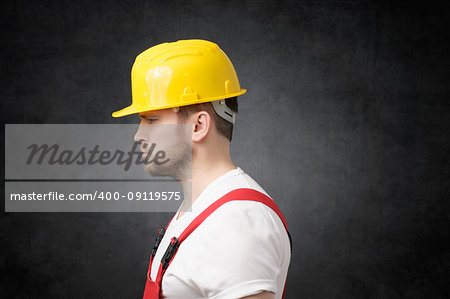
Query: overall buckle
{"type": "Point", "coordinates": [170, 252]}
{"type": "Point", "coordinates": [159, 237]}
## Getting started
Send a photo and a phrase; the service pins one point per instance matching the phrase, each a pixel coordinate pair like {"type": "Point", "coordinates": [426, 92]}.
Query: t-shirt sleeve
{"type": "Point", "coordinates": [239, 252]}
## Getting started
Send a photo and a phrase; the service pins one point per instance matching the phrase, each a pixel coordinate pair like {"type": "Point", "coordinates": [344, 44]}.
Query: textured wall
{"type": "Point", "coordinates": [345, 124]}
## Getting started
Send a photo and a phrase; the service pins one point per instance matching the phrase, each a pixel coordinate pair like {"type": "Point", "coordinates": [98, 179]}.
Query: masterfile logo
{"type": "Point", "coordinates": [52, 154]}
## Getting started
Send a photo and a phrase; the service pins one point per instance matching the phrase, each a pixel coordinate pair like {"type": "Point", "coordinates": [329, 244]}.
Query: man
{"type": "Point", "coordinates": [241, 249]}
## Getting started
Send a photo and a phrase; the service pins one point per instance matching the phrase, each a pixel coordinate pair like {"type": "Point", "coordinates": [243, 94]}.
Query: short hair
{"type": "Point", "coordinates": [224, 127]}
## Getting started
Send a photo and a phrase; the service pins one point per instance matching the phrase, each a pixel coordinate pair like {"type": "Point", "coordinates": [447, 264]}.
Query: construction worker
{"type": "Point", "coordinates": [233, 242]}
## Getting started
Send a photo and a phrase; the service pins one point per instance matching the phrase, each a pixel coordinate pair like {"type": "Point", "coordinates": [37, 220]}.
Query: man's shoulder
{"type": "Point", "coordinates": [243, 219]}
{"type": "Point", "coordinates": [247, 214]}
{"type": "Point", "coordinates": [237, 231]}
{"type": "Point", "coordinates": [240, 219]}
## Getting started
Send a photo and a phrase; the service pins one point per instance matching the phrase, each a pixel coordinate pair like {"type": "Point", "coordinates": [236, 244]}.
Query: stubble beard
{"type": "Point", "coordinates": [179, 166]}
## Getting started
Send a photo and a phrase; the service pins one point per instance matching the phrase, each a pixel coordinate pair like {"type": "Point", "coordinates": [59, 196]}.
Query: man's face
{"type": "Point", "coordinates": [162, 131]}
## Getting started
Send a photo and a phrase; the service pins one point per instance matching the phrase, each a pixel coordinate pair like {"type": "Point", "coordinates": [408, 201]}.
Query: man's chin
{"type": "Point", "coordinates": [153, 171]}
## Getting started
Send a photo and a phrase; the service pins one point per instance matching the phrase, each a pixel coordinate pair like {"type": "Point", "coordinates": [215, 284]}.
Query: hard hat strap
{"type": "Point", "coordinates": [224, 111]}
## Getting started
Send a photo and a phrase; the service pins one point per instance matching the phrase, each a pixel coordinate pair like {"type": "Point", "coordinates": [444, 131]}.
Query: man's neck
{"type": "Point", "coordinates": [203, 174]}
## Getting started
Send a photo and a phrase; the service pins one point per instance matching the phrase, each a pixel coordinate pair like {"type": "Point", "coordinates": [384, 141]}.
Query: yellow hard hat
{"type": "Point", "coordinates": [181, 73]}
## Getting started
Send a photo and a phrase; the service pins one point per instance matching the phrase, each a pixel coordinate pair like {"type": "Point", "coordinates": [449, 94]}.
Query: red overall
{"type": "Point", "coordinates": [152, 288]}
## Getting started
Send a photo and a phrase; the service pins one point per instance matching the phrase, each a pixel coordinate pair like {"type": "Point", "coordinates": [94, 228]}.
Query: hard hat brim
{"type": "Point", "coordinates": [136, 109]}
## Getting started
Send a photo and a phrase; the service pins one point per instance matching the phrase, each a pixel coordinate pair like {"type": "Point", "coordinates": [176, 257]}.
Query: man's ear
{"type": "Point", "coordinates": [202, 123]}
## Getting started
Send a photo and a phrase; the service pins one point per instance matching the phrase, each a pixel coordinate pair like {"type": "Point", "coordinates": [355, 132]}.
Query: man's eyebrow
{"type": "Point", "coordinates": [148, 115]}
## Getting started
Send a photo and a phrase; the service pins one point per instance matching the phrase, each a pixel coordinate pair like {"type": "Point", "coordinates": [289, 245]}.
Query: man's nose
{"type": "Point", "coordinates": [140, 136]}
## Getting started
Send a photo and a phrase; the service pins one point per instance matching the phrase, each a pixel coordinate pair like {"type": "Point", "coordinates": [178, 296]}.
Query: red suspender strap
{"type": "Point", "coordinates": [237, 194]}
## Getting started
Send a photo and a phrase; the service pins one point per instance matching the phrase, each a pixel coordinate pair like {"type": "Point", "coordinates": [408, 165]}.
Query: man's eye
{"type": "Point", "coordinates": [147, 119]}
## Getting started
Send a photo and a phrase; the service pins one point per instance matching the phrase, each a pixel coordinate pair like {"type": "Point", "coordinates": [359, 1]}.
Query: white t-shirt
{"type": "Point", "coordinates": [241, 249]}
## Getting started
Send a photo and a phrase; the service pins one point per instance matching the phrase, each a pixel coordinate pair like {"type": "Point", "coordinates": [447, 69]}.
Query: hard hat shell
{"type": "Point", "coordinates": [181, 73]}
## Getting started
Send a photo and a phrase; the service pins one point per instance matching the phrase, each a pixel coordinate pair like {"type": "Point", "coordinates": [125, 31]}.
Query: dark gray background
{"type": "Point", "coordinates": [345, 124]}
